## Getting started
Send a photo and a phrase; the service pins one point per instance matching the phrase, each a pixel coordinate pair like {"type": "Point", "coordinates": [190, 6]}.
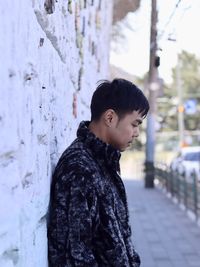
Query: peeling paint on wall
{"type": "Point", "coordinates": [49, 6]}
{"type": "Point", "coordinates": [74, 105]}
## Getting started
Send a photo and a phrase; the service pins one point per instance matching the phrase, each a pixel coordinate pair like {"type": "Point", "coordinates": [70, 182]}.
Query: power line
{"type": "Point", "coordinates": [169, 19]}
{"type": "Point", "coordinates": [172, 33]}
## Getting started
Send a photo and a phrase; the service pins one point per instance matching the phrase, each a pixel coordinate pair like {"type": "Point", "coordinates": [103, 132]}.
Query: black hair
{"type": "Point", "coordinates": [120, 95]}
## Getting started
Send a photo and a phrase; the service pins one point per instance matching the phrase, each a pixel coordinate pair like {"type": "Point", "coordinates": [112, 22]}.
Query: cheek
{"type": "Point", "coordinates": [129, 130]}
{"type": "Point", "coordinates": [126, 133]}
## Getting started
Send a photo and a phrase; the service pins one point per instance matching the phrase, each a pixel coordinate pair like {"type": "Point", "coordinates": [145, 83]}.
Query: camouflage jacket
{"type": "Point", "coordinates": [88, 216]}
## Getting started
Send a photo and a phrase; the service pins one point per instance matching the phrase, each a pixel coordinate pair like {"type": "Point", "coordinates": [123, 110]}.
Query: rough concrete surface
{"type": "Point", "coordinates": [52, 53]}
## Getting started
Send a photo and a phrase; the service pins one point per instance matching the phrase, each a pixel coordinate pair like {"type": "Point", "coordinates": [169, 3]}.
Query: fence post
{"type": "Point", "coordinates": [167, 179]}
{"type": "Point", "coordinates": [185, 191]}
{"type": "Point", "coordinates": [195, 197]}
{"type": "Point", "coordinates": [178, 186]}
{"type": "Point", "coordinates": [170, 173]}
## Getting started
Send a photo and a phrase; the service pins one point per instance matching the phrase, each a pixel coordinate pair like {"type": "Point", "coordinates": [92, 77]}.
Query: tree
{"type": "Point", "coordinates": [189, 66]}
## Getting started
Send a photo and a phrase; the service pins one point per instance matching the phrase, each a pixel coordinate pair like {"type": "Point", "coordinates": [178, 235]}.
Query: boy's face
{"type": "Point", "coordinates": [123, 131]}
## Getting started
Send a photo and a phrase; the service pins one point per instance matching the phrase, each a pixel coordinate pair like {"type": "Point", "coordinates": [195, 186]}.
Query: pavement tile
{"type": "Point", "coordinates": [147, 264]}
{"type": "Point", "coordinates": [163, 263]}
{"type": "Point", "coordinates": [179, 263]}
{"type": "Point", "coordinates": [192, 260]}
{"type": "Point", "coordinates": [153, 237]}
{"type": "Point", "coordinates": [158, 252]}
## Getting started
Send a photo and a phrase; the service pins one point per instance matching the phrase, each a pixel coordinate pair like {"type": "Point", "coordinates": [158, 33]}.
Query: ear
{"type": "Point", "coordinates": [110, 117]}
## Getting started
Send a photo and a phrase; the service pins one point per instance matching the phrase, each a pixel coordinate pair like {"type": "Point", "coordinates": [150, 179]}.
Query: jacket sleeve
{"type": "Point", "coordinates": [71, 215]}
{"type": "Point", "coordinates": [133, 255]}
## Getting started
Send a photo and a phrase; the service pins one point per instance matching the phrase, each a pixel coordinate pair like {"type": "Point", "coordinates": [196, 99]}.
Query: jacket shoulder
{"type": "Point", "coordinates": [76, 161]}
{"type": "Point", "coordinates": [77, 155]}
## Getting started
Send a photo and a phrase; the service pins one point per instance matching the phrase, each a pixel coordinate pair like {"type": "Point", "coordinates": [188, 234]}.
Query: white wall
{"type": "Point", "coordinates": [46, 62]}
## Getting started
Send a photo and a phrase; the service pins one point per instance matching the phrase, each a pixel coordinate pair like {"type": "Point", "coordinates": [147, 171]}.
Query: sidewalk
{"type": "Point", "coordinates": [163, 234]}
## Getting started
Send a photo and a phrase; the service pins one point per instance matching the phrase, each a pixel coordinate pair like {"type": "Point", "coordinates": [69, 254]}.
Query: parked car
{"type": "Point", "coordinates": [187, 162]}
{"type": "Point", "coordinates": [178, 158]}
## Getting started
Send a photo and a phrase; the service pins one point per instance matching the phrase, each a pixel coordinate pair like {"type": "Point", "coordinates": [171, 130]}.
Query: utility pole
{"type": "Point", "coordinates": [180, 105]}
{"type": "Point", "coordinates": [181, 126]}
{"type": "Point", "coordinates": [153, 89]}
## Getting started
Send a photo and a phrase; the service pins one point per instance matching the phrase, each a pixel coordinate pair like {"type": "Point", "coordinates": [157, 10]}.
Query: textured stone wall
{"type": "Point", "coordinates": [52, 53]}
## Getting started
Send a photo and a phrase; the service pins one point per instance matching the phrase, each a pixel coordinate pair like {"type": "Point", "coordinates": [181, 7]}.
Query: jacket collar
{"type": "Point", "coordinates": [100, 149]}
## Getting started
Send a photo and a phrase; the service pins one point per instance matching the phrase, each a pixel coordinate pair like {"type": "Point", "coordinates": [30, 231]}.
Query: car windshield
{"type": "Point", "coordinates": [192, 156]}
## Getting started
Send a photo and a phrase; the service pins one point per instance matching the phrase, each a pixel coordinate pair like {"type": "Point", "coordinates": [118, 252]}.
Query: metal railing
{"type": "Point", "coordinates": [186, 190]}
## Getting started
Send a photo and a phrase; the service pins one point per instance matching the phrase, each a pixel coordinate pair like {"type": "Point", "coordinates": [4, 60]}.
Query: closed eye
{"type": "Point", "coordinates": [137, 123]}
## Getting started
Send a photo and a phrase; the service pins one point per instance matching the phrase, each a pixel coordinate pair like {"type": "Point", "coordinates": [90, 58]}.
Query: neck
{"type": "Point", "coordinates": [98, 129]}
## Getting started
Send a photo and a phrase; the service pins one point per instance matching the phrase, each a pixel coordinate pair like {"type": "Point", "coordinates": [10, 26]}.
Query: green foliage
{"type": "Point", "coordinates": [189, 66]}
{"type": "Point", "coordinates": [189, 71]}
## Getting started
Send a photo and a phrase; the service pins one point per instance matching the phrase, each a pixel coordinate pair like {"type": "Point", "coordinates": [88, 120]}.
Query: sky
{"type": "Point", "coordinates": [133, 53]}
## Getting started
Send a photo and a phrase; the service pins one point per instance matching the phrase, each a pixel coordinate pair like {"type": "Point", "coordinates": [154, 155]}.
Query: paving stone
{"type": "Point", "coordinates": [163, 263]}
{"type": "Point", "coordinates": [179, 263]}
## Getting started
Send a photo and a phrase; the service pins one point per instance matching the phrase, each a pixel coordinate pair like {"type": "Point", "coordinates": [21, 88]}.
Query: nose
{"type": "Point", "coordinates": [136, 132]}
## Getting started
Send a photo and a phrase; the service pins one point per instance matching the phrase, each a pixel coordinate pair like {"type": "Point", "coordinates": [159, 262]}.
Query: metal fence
{"type": "Point", "coordinates": [185, 190]}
